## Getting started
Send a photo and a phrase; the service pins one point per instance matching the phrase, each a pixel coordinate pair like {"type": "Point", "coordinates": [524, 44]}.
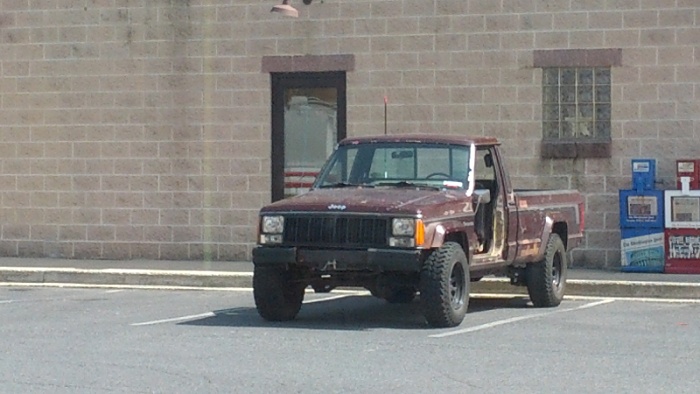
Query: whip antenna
{"type": "Point", "coordinates": [386, 100]}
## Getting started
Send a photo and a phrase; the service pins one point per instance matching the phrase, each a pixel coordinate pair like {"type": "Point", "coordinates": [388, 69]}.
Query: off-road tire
{"type": "Point", "coordinates": [444, 286]}
{"type": "Point", "coordinates": [546, 279]}
{"type": "Point", "coordinates": [278, 293]}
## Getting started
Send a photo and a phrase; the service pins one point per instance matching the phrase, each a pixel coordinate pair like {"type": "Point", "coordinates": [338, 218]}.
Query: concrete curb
{"type": "Point", "coordinates": [125, 277]}
{"type": "Point", "coordinates": [602, 288]}
{"type": "Point", "coordinates": [219, 279]}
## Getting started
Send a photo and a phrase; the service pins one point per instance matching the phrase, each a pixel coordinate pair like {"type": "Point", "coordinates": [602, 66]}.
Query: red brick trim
{"type": "Point", "coordinates": [578, 57]}
{"type": "Point", "coordinates": [308, 63]}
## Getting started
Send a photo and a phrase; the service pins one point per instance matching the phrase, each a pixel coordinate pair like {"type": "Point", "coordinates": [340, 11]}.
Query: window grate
{"type": "Point", "coordinates": [576, 103]}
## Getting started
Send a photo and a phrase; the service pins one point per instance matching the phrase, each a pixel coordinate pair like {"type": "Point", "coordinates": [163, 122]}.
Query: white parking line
{"type": "Point", "coordinates": [329, 298]}
{"type": "Point", "coordinates": [174, 319]}
{"type": "Point", "coordinates": [640, 299]}
{"type": "Point", "coordinates": [212, 314]}
{"type": "Point", "coordinates": [519, 318]}
{"type": "Point", "coordinates": [6, 301]}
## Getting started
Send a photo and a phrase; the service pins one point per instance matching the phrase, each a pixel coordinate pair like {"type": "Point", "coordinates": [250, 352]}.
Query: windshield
{"type": "Point", "coordinates": [397, 164]}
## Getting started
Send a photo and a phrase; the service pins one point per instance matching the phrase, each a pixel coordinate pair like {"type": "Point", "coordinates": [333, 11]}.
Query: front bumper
{"type": "Point", "coordinates": [380, 260]}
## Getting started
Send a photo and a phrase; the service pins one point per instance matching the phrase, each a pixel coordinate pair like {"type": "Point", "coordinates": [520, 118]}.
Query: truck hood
{"type": "Point", "coordinates": [369, 200]}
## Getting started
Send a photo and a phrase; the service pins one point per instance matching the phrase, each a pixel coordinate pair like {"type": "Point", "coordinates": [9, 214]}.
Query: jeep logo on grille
{"type": "Point", "coordinates": [336, 207]}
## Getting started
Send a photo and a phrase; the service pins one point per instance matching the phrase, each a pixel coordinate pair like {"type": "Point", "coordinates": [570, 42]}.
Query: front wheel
{"type": "Point", "coordinates": [278, 293]}
{"type": "Point", "coordinates": [444, 286]}
{"type": "Point", "coordinates": [546, 279]}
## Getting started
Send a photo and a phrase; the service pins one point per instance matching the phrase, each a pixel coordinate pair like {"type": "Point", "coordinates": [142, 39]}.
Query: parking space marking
{"type": "Point", "coordinates": [6, 301]}
{"type": "Point", "coordinates": [175, 319]}
{"type": "Point", "coordinates": [330, 298]}
{"type": "Point", "coordinates": [212, 314]}
{"type": "Point", "coordinates": [640, 299]}
{"type": "Point", "coordinates": [519, 318]}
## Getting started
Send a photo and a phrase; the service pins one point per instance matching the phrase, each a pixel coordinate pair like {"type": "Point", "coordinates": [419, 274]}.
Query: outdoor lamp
{"type": "Point", "coordinates": [287, 10]}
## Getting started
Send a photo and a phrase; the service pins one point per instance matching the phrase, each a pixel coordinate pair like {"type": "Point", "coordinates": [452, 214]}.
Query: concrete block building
{"type": "Point", "coordinates": [156, 129]}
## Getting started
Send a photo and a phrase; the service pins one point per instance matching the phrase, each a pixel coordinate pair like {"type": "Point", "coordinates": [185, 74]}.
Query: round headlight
{"type": "Point", "coordinates": [403, 227]}
{"type": "Point", "coordinates": [273, 224]}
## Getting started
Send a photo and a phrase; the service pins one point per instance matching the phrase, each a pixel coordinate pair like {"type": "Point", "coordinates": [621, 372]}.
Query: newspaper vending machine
{"type": "Point", "coordinates": [642, 221]}
{"type": "Point", "coordinates": [682, 223]}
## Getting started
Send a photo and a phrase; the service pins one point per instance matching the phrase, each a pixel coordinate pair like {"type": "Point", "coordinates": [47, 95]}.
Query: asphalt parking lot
{"type": "Point", "coordinates": [125, 340]}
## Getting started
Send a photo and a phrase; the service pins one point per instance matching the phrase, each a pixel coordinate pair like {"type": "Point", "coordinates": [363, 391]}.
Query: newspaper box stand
{"type": "Point", "coordinates": [682, 234]}
{"type": "Point", "coordinates": [642, 221]}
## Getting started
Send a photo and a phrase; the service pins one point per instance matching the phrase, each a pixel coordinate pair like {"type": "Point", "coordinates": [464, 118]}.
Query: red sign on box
{"type": "Point", "coordinates": [682, 251]}
{"type": "Point", "coordinates": [690, 169]}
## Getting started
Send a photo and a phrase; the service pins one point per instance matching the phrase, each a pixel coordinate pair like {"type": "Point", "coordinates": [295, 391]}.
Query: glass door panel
{"type": "Point", "coordinates": [310, 133]}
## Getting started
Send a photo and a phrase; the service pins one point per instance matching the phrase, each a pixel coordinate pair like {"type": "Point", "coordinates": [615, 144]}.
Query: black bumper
{"type": "Point", "coordinates": [341, 260]}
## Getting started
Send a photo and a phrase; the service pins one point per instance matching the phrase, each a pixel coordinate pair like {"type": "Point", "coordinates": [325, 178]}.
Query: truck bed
{"type": "Point", "coordinates": [541, 212]}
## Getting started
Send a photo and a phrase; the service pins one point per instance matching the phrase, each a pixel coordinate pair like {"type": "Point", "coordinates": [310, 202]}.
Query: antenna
{"type": "Point", "coordinates": [386, 100]}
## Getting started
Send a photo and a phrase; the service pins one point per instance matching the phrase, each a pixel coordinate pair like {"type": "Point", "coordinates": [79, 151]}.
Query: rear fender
{"type": "Point", "coordinates": [544, 238]}
{"type": "Point", "coordinates": [552, 224]}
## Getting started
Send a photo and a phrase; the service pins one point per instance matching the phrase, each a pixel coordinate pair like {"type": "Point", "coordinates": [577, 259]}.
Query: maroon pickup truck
{"type": "Point", "coordinates": [403, 215]}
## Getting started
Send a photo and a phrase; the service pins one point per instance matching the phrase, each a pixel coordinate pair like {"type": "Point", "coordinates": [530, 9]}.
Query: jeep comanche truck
{"type": "Point", "coordinates": [408, 215]}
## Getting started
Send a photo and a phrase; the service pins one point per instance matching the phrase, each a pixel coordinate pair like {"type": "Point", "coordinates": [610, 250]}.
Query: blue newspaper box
{"type": "Point", "coordinates": [642, 221]}
{"type": "Point", "coordinates": [643, 174]}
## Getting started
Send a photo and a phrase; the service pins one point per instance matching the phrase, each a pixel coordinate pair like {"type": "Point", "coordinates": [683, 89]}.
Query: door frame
{"type": "Point", "coordinates": [288, 80]}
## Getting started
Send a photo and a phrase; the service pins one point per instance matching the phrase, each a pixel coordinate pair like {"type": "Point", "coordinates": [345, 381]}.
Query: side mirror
{"type": "Point", "coordinates": [481, 196]}
{"type": "Point", "coordinates": [488, 161]}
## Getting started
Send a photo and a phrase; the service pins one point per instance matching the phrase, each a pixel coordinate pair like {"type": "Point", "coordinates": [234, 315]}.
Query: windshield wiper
{"type": "Point", "coordinates": [407, 184]}
{"type": "Point", "coordinates": [344, 184]}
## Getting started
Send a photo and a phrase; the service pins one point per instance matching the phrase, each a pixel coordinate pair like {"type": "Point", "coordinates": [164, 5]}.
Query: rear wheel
{"type": "Point", "coordinates": [444, 286]}
{"type": "Point", "coordinates": [546, 279]}
{"type": "Point", "coordinates": [278, 293]}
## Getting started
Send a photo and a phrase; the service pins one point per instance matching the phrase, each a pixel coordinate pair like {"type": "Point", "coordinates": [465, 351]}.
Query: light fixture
{"type": "Point", "coordinates": [286, 9]}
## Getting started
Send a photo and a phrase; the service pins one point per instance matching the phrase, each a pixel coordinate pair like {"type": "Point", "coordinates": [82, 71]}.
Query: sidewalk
{"type": "Point", "coordinates": [224, 274]}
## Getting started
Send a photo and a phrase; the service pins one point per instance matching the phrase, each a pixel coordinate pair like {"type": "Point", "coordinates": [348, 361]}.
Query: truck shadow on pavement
{"type": "Point", "coordinates": [353, 313]}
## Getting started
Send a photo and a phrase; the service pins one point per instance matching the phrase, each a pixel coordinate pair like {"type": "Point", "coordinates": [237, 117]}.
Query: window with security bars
{"type": "Point", "coordinates": [576, 104]}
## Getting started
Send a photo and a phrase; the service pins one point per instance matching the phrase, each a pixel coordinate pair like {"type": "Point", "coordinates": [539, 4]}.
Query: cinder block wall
{"type": "Point", "coordinates": [142, 129]}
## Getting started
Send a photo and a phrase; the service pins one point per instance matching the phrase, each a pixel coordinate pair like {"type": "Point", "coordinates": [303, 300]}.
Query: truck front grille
{"type": "Point", "coordinates": [335, 230]}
